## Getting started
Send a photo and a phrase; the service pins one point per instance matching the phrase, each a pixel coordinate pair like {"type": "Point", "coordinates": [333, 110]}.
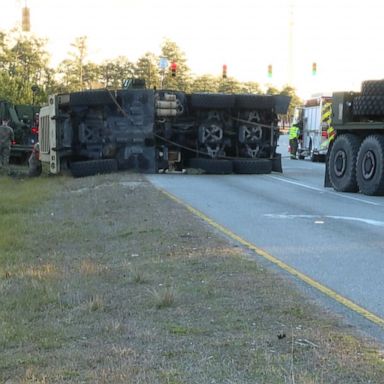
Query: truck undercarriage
{"type": "Point", "coordinates": [149, 131]}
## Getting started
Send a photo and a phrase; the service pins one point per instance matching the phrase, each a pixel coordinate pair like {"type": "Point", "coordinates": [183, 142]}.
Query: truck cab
{"type": "Point", "coordinates": [24, 120]}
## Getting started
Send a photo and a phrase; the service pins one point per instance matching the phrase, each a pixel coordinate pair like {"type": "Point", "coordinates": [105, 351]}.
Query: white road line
{"type": "Point", "coordinates": [376, 223]}
{"type": "Point", "coordinates": [323, 190]}
{"type": "Point", "coordinates": [299, 184]}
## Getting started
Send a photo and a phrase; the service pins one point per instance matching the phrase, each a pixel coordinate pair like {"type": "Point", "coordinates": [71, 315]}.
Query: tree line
{"type": "Point", "coordinates": [27, 78]}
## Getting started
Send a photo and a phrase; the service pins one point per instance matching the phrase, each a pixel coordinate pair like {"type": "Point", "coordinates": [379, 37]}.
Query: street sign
{"type": "Point", "coordinates": [163, 64]}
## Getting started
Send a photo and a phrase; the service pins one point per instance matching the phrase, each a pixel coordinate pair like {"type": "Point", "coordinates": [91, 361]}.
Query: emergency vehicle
{"type": "Point", "coordinates": [315, 114]}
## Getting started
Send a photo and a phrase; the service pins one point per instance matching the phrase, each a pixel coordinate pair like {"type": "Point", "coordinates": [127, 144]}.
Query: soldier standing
{"type": "Point", "coordinates": [6, 138]}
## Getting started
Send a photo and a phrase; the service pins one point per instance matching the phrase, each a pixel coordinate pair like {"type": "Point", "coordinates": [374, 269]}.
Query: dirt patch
{"type": "Point", "coordinates": [116, 283]}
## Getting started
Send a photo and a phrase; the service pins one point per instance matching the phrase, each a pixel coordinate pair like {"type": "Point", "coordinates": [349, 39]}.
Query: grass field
{"type": "Point", "coordinates": [105, 280]}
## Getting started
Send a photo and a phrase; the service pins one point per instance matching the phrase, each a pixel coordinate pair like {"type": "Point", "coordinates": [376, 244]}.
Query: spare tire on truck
{"type": "Point", "coordinates": [93, 167]}
{"type": "Point", "coordinates": [254, 102]}
{"type": "Point", "coordinates": [212, 166]}
{"type": "Point", "coordinates": [368, 105]}
{"type": "Point", "coordinates": [252, 166]}
{"type": "Point", "coordinates": [372, 88]}
{"type": "Point", "coordinates": [212, 100]}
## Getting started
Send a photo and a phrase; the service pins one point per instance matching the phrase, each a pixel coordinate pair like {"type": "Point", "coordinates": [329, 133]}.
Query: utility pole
{"type": "Point", "coordinates": [25, 19]}
{"type": "Point", "coordinates": [290, 42]}
{"type": "Point", "coordinates": [163, 65]}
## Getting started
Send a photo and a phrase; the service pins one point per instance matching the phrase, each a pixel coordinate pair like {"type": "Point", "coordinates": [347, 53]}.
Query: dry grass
{"type": "Point", "coordinates": [163, 297]}
{"type": "Point", "coordinates": [95, 303]}
{"type": "Point", "coordinates": [138, 276]}
{"type": "Point", "coordinates": [120, 285]}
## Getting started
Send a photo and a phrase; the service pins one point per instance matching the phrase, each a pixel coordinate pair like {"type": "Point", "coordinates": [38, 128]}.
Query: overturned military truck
{"type": "Point", "coordinates": [149, 131]}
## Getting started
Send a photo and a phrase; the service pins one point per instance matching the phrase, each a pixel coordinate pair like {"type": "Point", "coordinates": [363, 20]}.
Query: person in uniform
{"type": "Point", "coordinates": [7, 136]}
{"type": "Point", "coordinates": [294, 134]}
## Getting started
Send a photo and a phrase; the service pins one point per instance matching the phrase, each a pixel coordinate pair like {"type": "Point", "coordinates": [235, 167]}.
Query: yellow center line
{"type": "Point", "coordinates": [294, 272]}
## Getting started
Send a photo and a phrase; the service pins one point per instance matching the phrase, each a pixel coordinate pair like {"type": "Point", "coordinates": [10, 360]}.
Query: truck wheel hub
{"type": "Point", "coordinates": [340, 163]}
{"type": "Point", "coordinates": [368, 165]}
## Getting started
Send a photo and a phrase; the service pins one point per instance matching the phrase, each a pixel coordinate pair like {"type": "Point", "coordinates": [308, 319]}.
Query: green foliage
{"type": "Point", "coordinates": [26, 78]}
{"type": "Point", "coordinates": [250, 87]}
{"type": "Point", "coordinates": [23, 67]}
{"type": "Point", "coordinates": [72, 70]}
{"type": "Point", "coordinates": [272, 90]}
{"type": "Point", "coordinates": [229, 85]}
{"type": "Point", "coordinates": [295, 100]}
{"type": "Point", "coordinates": [205, 83]}
{"type": "Point", "coordinates": [147, 69]}
{"type": "Point", "coordinates": [182, 80]}
{"type": "Point", "coordinates": [112, 73]}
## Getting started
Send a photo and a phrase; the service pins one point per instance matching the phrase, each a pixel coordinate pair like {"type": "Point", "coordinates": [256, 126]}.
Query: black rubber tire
{"type": "Point", "coordinates": [252, 166]}
{"type": "Point", "coordinates": [212, 100]}
{"type": "Point", "coordinates": [35, 171]}
{"type": "Point", "coordinates": [370, 166]}
{"type": "Point", "coordinates": [93, 167]}
{"type": "Point", "coordinates": [212, 166]}
{"type": "Point", "coordinates": [254, 102]}
{"type": "Point", "coordinates": [372, 88]}
{"type": "Point", "coordinates": [314, 157]}
{"type": "Point", "coordinates": [368, 105]}
{"type": "Point", "coordinates": [342, 163]}
{"type": "Point", "coordinates": [91, 98]}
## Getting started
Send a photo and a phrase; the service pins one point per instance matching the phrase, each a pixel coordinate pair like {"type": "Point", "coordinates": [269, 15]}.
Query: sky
{"type": "Point", "coordinates": [343, 37]}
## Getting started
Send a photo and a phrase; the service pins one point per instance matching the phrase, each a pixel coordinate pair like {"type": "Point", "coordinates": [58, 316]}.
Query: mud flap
{"type": "Point", "coordinates": [327, 180]}
{"type": "Point", "coordinates": [276, 163]}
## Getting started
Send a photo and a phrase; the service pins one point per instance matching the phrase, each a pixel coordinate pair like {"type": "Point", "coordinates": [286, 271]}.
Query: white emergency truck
{"type": "Point", "coordinates": [316, 114]}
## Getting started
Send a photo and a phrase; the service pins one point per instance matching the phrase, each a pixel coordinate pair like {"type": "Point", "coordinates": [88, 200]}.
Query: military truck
{"type": "Point", "coordinates": [24, 120]}
{"type": "Point", "coordinates": [150, 131]}
{"type": "Point", "coordinates": [355, 158]}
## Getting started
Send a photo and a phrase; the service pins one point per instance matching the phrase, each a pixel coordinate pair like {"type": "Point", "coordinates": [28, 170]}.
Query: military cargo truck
{"type": "Point", "coordinates": [158, 130]}
{"type": "Point", "coordinates": [24, 120]}
{"type": "Point", "coordinates": [355, 159]}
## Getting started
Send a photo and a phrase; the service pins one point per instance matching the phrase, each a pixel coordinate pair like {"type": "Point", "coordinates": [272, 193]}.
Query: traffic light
{"type": "Point", "coordinates": [314, 69]}
{"type": "Point", "coordinates": [224, 71]}
{"type": "Point", "coordinates": [173, 69]}
{"type": "Point", "coordinates": [270, 70]}
{"type": "Point", "coordinates": [25, 20]}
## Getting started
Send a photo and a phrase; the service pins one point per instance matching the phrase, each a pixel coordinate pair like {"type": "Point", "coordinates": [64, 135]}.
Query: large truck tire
{"type": "Point", "coordinates": [212, 166]}
{"type": "Point", "coordinates": [372, 88]}
{"type": "Point", "coordinates": [212, 100]}
{"type": "Point", "coordinates": [342, 163]}
{"type": "Point", "coordinates": [370, 166]}
{"type": "Point", "coordinates": [92, 98]}
{"type": "Point", "coordinates": [93, 167]}
{"type": "Point", "coordinates": [252, 166]}
{"type": "Point", "coordinates": [368, 105]}
{"type": "Point", "coordinates": [254, 102]}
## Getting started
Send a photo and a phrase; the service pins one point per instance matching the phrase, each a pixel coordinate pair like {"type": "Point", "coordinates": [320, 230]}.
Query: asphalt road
{"type": "Point", "coordinates": [336, 239]}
